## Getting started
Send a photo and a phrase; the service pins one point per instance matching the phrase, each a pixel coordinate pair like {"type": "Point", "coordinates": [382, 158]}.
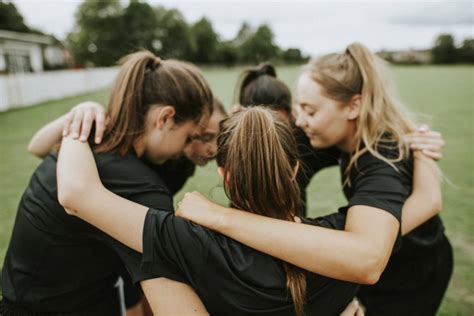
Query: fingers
{"type": "Point", "coordinates": [100, 124]}
{"type": "Point", "coordinates": [86, 125]}
{"type": "Point", "coordinates": [435, 155]}
{"type": "Point", "coordinates": [67, 123]}
{"type": "Point", "coordinates": [351, 309]}
{"type": "Point", "coordinates": [435, 146]}
{"type": "Point", "coordinates": [424, 128]}
{"type": "Point", "coordinates": [76, 123]}
{"type": "Point", "coordinates": [431, 141]}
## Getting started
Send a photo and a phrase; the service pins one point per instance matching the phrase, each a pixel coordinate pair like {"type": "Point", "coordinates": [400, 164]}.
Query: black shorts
{"type": "Point", "coordinates": [415, 287]}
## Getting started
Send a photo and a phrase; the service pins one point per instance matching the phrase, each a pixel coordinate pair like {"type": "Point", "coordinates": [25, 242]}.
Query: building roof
{"type": "Point", "coordinates": [26, 37]}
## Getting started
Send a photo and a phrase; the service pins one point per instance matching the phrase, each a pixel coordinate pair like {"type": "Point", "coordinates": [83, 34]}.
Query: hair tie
{"type": "Point", "coordinates": [157, 61]}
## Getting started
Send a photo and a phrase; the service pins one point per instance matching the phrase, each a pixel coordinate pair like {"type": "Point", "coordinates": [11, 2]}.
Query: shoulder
{"type": "Point", "coordinates": [385, 159]}
{"type": "Point", "coordinates": [113, 166]}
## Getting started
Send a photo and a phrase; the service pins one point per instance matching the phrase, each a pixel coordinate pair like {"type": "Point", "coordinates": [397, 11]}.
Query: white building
{"type": "Point", "coordinates": [26, 52]}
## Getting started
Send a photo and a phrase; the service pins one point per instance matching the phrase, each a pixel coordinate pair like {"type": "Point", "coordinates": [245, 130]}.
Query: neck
{"type": "Point", "coordinates": [349, 143]}
{"type": "Point", "coordinates": [139, 146]}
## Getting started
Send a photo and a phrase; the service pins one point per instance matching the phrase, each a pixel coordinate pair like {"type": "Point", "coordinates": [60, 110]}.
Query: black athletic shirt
{"type": "Point", "coordinates": [59, 263]}
{"type": "Point", "coordinates": [311, 161]}
{"type": "Point", "coordinates": [375, 183]}
{"type": "Point", "coordinates": [175, 173]}
{"type": "Point", "coordinates": [229, 277]}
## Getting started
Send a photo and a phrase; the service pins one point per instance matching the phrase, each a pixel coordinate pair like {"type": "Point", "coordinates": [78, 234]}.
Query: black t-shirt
{"type": "Point", "coordinates": [311, 161]}
{"type": "Point", "coordinates": [175, 173]}
{"type": "Point", "coordinates": [373, 182]}
{"type": "Point", "coordinates": [229, 277]}
{"type": "Point", "coordinates": [59, 263]}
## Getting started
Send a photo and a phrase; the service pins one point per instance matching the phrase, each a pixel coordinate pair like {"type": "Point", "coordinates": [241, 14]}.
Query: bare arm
{"type": "Point", "coordinates": [47, 137]}
{"type": "Point", "coordinates": [167, 297]}
{"type": "Point", "coordinates": [425, 200]}
{"type": "Point", "coordinates": [351, 255]}
{"type": "Point", "coordinates": [82, 193]}
{"type": "Point", "coordinates": [78, 121]}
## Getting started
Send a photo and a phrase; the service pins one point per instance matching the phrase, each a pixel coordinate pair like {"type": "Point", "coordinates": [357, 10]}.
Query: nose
{"type": "Point", "coordinates": [300, 119]}
{"type": "Point", "coordinates": [212, 149]}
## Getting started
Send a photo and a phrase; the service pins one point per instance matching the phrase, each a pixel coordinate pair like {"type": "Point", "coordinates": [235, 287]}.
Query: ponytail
{"type": "Point", "coordinates": [259, 155]}
{"type": "Point", "coordinates": [145, 81]}
{"type": "Point", "coordinates": [260, 86]}
{"type": "Point", "coordinates": [383, 119]}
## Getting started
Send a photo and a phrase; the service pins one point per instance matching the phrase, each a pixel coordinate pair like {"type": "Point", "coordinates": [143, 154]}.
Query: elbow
{"type": "Point", "coordinates": [370, 275]}
{"type": "Point", "coordinates": [69, 195]}
{"type": "Point", "coordinates": [437, 203]}
{"type": "Point", "coordinates": [34, 151]}
{"type": "Point", "coordinates": [371, 269]}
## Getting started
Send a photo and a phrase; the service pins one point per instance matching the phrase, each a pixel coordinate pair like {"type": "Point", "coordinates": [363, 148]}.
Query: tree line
{"type": "Point", "coordinates": [106, 30]}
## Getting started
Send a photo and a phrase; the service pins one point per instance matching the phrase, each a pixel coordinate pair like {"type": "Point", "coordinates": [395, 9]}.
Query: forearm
{"type": "Point", "coordinates": [166, 297]}
{"type": "Point", "coordinates": [46, 138]}
{"type": "Point", "coordinates": [341, 255]}
{"type": "Point", "coordinates": [82, 193]}
{"type": "Point", "coordinates": [425, 200]}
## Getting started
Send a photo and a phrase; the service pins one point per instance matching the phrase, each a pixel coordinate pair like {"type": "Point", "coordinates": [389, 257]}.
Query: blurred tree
{"type": "Point", "coordinates": [293, 56]}
{"type": "Point", "coordinates": [227, 53]}
{"type": "Point", "coordinates": [97, 37]}
{"type": "Point", "coordinates": [174, 35]}
{"type": "Point", "coordinates": [140, 28]}
{"type": "Point", "coordinates": [466, 51]}
{"type": "Point", "coordinates": [444, 51]}
{"type": "Point", "coordinates": [259, 46]}
{"type": "Point", "coordinates": [206, 42]}
{"type": "Point", "coordinates": [11, 19]}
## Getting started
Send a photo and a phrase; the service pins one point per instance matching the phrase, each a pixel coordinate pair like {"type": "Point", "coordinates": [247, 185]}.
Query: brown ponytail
{"type": "Point", "coordinates": [259, 155]}
{"type": "Point", "coordinates": [144, 81]}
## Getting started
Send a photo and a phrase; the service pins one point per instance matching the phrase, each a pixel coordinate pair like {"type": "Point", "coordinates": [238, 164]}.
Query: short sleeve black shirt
{"type": "Point", "coordinates": [373, 182]}
{"type": "Point", "coordinates": [229, 277]}
{"type": "Point", "coordinates": [59, 263]}
{"type": "Point", "coordinates": [311, 161]}
{"type": "Point", "coordinates": [175, 173]}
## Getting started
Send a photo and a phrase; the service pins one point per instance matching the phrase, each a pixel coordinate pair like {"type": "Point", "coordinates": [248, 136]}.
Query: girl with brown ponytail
{"type": "Point", "coordinates": [258, 161]}
{"type": "Point", "coordinates": [60, 265]}
{"type": "Point", "coordinates": [347, 100]}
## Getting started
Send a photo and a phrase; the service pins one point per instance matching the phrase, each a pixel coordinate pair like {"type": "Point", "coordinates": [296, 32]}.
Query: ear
{"type": "Point", "coordinates": [220, 171]}
{"type": "Point", "coordinates": [164, 116]}
{"type": "Point", "coordinates": [354, 107]}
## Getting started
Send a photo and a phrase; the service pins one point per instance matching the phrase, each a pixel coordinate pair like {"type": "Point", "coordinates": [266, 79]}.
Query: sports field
{"type": "Point", "coordinates": [444, 94]}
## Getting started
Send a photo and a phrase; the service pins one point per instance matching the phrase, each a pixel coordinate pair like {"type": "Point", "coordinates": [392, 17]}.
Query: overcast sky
{"type": "Point", "coordinates": [314, 26]}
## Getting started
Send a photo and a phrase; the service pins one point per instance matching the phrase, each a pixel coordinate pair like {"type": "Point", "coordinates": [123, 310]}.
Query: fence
{"type": "Point", "coordinates": [22, 90]}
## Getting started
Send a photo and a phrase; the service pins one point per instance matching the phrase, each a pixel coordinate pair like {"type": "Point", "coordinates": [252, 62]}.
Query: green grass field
{"type": "Point", "coordinates": [446, 94]}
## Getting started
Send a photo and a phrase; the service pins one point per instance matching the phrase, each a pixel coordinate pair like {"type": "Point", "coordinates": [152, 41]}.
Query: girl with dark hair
{"type": "Point", "coordinates": [60, 265]}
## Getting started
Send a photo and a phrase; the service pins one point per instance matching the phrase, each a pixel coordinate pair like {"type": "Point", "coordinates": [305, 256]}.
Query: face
{"type": "Point", "coordinates": [165, 139]}
{"type": "Point", "coordinates": [325, 121]}
{"type": "Point", "coordinates": [203, 148]}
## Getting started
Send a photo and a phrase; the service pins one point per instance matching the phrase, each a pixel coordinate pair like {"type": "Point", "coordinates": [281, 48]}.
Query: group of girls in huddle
{"type": "Point", "coordinates": [102, 206]}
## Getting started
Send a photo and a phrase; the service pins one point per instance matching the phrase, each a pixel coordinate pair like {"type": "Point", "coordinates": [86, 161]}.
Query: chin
{"type": "Point", "coordinates": [317, 143]}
